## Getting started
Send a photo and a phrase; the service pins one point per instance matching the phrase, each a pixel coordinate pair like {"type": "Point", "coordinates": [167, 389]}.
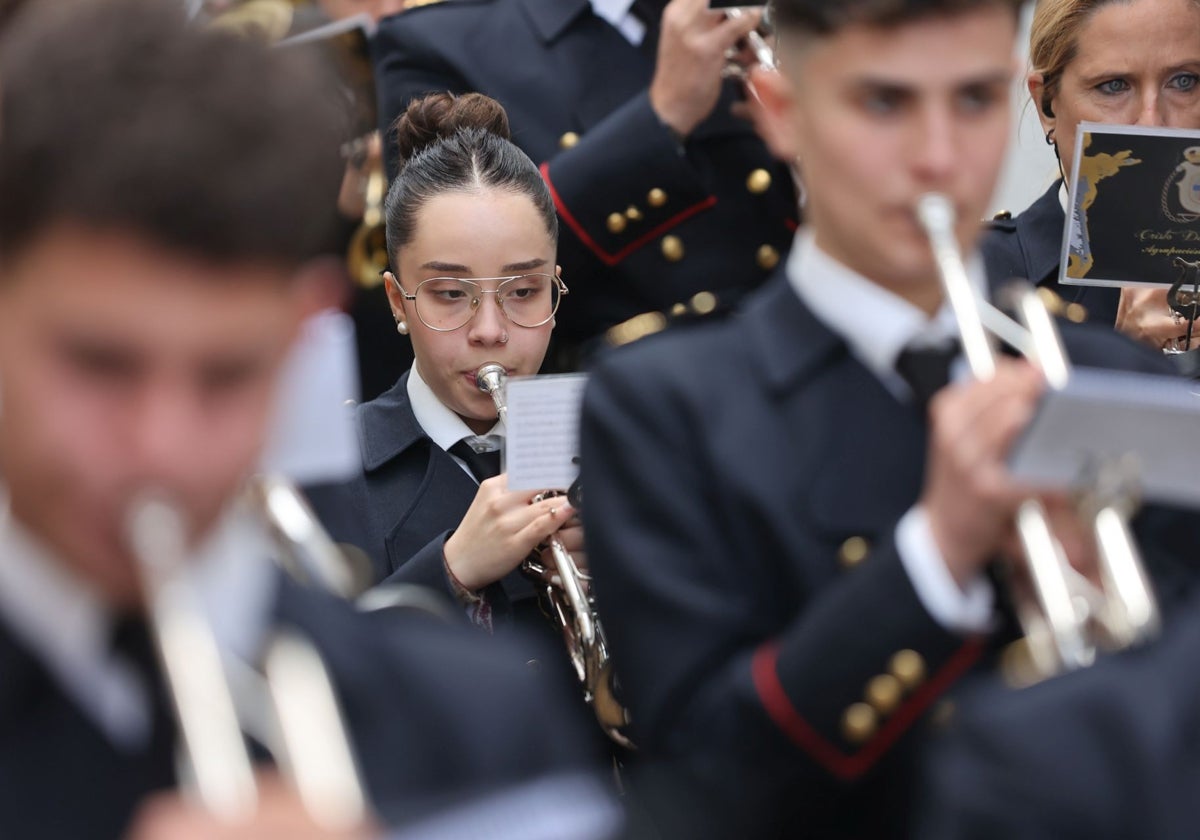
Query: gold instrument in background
{"type": "Point", "coordinates": [1067, 619]}
{"type": "Point", "coordinates": [366, 255]}
{"type": "Point", "coordinates": [302, 723]}
{"type": "Point", "coordinates": [565, 589]}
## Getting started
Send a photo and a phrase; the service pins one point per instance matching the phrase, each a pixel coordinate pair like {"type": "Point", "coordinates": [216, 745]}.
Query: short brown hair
{"type": "Point", "coordinates": [825, 17]}
{"type": "Point", "coordinates": [120, 115]}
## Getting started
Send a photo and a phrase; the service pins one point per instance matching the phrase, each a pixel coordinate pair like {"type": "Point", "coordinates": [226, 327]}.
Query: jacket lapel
{"type": "Point", "coordinates": [856, 453]}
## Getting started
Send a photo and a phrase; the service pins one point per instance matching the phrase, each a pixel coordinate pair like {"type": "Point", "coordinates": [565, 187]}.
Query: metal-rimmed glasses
{"type": "Point", "coordinates": [445, 304]}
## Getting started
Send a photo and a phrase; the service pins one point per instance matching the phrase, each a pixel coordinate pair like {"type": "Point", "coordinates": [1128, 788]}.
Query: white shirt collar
{"type": "Point", "coordinates": [617, 13]}
{"type": "Point", "coordinates": [66, 625]}
{"type": "Point", "coordinates": [444, 427]}
{"type": "Point", "coordinates": [876, 323]}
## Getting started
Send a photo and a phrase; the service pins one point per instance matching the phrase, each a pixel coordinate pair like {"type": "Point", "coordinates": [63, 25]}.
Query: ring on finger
{"type": "Point", "coordinates": [553, 512]}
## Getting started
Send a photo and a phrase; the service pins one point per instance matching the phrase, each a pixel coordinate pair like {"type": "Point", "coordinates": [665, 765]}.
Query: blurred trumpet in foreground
{"type": "Point", "coordinates": [295, 710]}
{"type": "Point", "coordinates": [1068, 618]}
{"type": "Point", "coordinates": [564, 587]}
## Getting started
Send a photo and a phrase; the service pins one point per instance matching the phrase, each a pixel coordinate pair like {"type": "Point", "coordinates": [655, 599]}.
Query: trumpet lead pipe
{"type": "Point", "coordinates": [936, 215]}
{"type": "Point", "coordinates": [219, 770]}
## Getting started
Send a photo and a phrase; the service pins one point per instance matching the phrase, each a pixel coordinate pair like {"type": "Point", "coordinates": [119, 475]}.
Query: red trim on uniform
{"type": "Point", "coordinates": [614, 258]}
{"type": "Point", "coordinates": [849, 767]}
{"type": "Point", "coordinates": [792, 225]}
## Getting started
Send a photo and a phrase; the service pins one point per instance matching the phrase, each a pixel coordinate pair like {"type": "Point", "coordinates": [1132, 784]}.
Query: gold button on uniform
{"type": "Point", "coordinates": [1076, 313]}
{"type": "Point", "coordinates": [1052, 301]}
{"type": "Point", "coordinates": [758, 181]}
{"type": "Point", "coordinates": [568, 141]}
{"type": "Point", "coordinates": [884, 693]}
{"type": "Point", "coordinates": [678, 309]}
{"type": "Point", "coordinates": [672, 248]}
{"type": "Point", "coordinates": [766, 257]}
{"type": "Point", "coordinates": [859, 723]}
{"type": "Point", "coordinates": [656, 197]}
{"type": "Point", "coordinates": [909, 667]}
{"type": "Point", "coordinates": [853, 552]}
{"type": "Point", "coordinates": [704, 302]}
{"type": "Point", "coordinates": [616, 222]}
{"type": "Point", "coordinates": [632, 213]}
{"type": "Point", "coordinates": [1002, 216]}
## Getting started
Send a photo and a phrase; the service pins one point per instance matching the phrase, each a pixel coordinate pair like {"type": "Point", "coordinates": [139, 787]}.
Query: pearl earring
{"type": "Point", "coordinates": [402, 327]}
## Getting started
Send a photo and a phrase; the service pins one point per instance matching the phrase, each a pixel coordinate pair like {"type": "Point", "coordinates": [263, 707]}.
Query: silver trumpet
{"type": "Point", "coordinates": [293, 706]}
{"type": "Point", "coordinates": [1067, 619]}
{"type": "Point", "coordinates": [565, 590]}
{"type": "Point", "coordinates": [764, 53]}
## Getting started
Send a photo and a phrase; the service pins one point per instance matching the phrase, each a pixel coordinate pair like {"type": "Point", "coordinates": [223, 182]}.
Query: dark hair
{"type": "Point", "coordinates": [825, 17]}
{"type": "Point", "coordinates": [119, 115]}
{"type": "Point", "coordinates": [453, 143]}
{"type": "Point", "coordinates": [8, 11]}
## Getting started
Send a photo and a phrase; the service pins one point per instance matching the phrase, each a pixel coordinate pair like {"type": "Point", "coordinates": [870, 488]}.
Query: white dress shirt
{"type": "Point", "coordinates": [444, 427]}
{"type": "Point", "coordinates": [877, 325]}
{"type": "Point", "coordinates": [618, 14]}
{"type": "Point", "coordinates": [64, 623]}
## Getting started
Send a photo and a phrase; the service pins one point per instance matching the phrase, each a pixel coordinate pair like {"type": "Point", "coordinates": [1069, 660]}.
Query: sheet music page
{"type": "Point", "coordinates": [313, 438]}
{"type": "Point", "coordinates": [542, 445]}
{"type": "Point", "coordinates": [1116, 418]}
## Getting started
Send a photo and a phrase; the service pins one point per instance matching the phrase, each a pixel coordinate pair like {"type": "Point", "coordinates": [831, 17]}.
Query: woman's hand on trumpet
{"type": "Point", "coordinates": [499, 531]}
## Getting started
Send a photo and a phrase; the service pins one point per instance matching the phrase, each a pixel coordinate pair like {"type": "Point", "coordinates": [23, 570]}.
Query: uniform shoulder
{"type": "Point", "coordinates": [419, 10]}
{"type": "Point", "coordinates": [676, 352]}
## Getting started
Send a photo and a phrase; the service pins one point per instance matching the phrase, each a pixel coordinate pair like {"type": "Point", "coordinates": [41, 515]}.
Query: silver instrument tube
{"type": "Point", "coordinates": [1064, 630]}
{"type": "Point", "coordinates": [218, 766]}
{"type": "Point", "coordinates": [311, 741]}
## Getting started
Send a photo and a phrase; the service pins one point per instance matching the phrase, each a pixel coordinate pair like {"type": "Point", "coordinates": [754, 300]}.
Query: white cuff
{"type": "Point", "coordinates": [966, 610]}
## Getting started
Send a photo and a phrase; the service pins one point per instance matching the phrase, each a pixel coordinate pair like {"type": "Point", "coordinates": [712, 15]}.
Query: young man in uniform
{"type": "Point", "coordinates": [788, 540]}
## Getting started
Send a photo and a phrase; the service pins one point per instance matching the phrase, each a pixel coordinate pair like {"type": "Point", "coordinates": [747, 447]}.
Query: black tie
{"type": "Point", "coordinates": [926, 370]}
{"type": "Point", "coordinates": [649, 12]}
{"type": "Point", "coordinates": [483, 465]}
{"type": "Point", "coordinates": [132, 641]}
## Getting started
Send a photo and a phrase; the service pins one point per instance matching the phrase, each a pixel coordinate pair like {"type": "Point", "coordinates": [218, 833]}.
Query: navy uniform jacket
{"type": "Point", "coordinates": [1029, 246]}
{"type": "Point", "coordinates": [410, 495]}
{"type": "Point", "coordinates": [1107, 753]}
{"type": "Point", "coordinates": [645, 225]}
{"type": "Point", "coordinates": [744, 482]}
{"type": "Point", "coordinates": [437, 716]}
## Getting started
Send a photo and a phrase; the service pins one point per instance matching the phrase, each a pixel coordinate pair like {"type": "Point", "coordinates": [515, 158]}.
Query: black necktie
{"type": "Point", "coordinates": [649, 12]}
{"type": "Point", "coordinates": [926, 370]}
{"type": "Point", "coordinates": [483, 465]}
{"type": "Point", "coordinates": [132, 641]}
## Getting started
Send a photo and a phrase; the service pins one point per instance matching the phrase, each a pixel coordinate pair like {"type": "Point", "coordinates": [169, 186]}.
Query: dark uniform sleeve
{"type": "Point", "coordinates": [600, 183]}
{"type": "Point", "coordinates": [781, 703]}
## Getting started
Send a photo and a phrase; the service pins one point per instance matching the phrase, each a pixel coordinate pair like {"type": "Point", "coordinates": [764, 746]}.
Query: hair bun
{"type": "Point", "coordinates": [442, 115]}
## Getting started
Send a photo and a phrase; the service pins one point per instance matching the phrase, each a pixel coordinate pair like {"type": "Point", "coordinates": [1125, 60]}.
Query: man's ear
{"type": "Point", "coordinates": [320, 284]}
{"type": "Point", "coordinates": [775, 119]}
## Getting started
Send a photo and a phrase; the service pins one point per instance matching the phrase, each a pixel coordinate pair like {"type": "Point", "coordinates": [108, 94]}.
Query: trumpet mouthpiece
{"type": "Point", "coordinates": [935, 212]}
{"type": "Point", "coordinates": [490, 377]}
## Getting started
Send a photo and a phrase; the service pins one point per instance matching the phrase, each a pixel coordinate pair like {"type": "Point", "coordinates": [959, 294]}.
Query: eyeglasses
{"type": "Point", "coordinates": [445, 304]}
